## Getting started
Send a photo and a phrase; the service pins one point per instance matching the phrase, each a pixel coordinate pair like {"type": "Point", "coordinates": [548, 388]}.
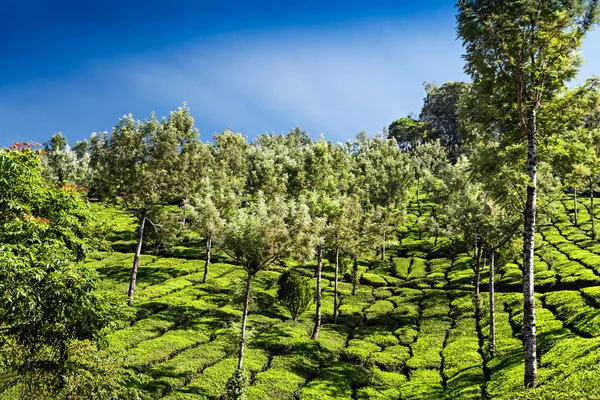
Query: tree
{"type": "Point", "coordinates": [257, 236]}
{"type": "Point", "coordinates": [384, 175]}
{"type": "Point", "coordinates": [439, 115]}
{"type": "Point", "coordinates": [230, 171]}
{"type": "Point", "coordinates": [140, 165]}
{"type": "Point", "coordinates": [519, 55]}
{"type": "Point", "coordinates": [207, 220]}
{"type": "Point", "coordinates": [427, 160]}
{"type": "Point", "coordinates": [294, 292]}
{"type": "Point", "coordinates": [65, 165]}
{"type": "Point", "coordinates": [408, 132]}
{"type": "Point", "coordinates": [47, 298]}
{"type": "Point", "coordinates": [319, 194]}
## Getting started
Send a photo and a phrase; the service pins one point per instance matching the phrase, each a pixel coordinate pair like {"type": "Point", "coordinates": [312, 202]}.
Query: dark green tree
{"type": "Point", "coordinates": [294, 292]}
{"type": "Point", "coordinates": [439, 115]}
{"type": "Point", "coordinates": [47, 297]}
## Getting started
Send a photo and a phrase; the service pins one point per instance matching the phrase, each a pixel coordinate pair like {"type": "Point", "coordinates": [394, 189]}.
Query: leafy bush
{"type": "Point", "coordinates": [294, 292]}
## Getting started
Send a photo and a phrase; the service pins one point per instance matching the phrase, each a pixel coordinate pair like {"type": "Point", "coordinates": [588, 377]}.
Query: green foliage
{"type": "Point", "coordinates": [236, 386]}
{"type": "Point", "coordinates": [47, 299]}
{"type": "Point", "coordinates": [294, 292]}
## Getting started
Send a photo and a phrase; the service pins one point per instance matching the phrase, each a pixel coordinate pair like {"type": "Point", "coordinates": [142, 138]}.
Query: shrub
{"type": "Point", "coordinates": [294, 292]}
{"type": "Point", "coordinates": [235, 389]}
{"type": "Point", "coordinates": [393, 358]}
{"type": "Point", "coordinates": [358, 351]}
{"type": "Point", "coordinates": [274, 383]}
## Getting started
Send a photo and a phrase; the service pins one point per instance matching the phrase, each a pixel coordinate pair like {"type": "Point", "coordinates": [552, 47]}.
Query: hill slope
{"type": "Point", "coordinates": [411, 331]}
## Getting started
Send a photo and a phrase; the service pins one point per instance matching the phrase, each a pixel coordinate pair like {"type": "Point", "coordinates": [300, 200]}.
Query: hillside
{"type": "Point", "coordinates": [411, 331]}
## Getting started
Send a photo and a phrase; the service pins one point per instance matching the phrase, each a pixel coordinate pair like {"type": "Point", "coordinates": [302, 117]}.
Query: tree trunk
{"type": "Point", "coordinates": [207, 264]}
{"type": "Point", "coordinates": [383, 248]}
{"type": "Point", "coordinates": [136, 258]}
{"type": "Point", "coordinates": [529, 328]}
{"type": "Point", "coordinates": [354, 277]}
{"type": "Point", "coordinates": [575, 205]}
{"type": "Point", "coordinates": [317, 327]}
{"type": "Point", "coordinates": [492, 307]}
{"type": "Point", "coordinates": [184, 212]}
{"type": "Point", "coordinates": [592, 210]}
{"type": "Point", "coordinates": [335, 286]}
{"type": "Point", "coordinates": [244, 318]}
{"type": "Point", "coordinates": [478, 269]}
{"type": "Point", "coordinates": [418, 187]}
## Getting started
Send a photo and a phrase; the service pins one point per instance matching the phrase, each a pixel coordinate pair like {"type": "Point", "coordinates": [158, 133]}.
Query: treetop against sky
{"type": "Point", "coordinates": [330, 67]}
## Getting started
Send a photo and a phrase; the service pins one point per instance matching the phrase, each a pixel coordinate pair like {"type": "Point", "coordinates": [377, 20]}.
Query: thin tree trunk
{"type": "Point", "coordinates": [244, 318]}
{"type": "Point", "coordinates": [478, 269]}
{"type": "Point", "coordinates": [317, 327]}
{"type": "Point", "coordinates": [136, 258]}
{"type": "Point", "coordinates": [592, 210]}
{"type": "Point", "coordinates": [383, 248]}
{"type": "Point", "coordinates": [354, 277]}
{"type": "Point", "coordinates": [184, 212]}
{"type": "Point", "coordinates": [529, 328]}
{"type": "Point", "coordinates": [492, 306]}
{"type": "Point", "coordinates": [575, 205]}
{"type": "Point", "coordinates": [335, 287]}
{"type": "Point", "coordinates": [207, 264]}
{"type": "Point", "coordinates": [418, 187]}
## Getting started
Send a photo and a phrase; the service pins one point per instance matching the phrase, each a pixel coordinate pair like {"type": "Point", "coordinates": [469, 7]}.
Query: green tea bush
{"type": "Point", "coordinates": [592, 293]}
{"type": "Point", "coordinates": [381, 293]}
{"type": "Point", "coordinates": [372, 280]}
{"type": "Point", "coordinates": [435, 304]}
{"type": "Point", "coordinates": [423, 384]}
{"type": "Point", "coordinates": [212, 381]}
{"type": "Point", "coordinates": [380, 335]}
{"type": "Point", "coordinates": [275, 383]}
{"type": "Point", "coordinates": [335, 382]}
{"type": "Point", "coordinates": [393, 358]}
{"type": "Point", "coordinates": [359, 351]}
{"type": "Point", "coordinates": [144, 329]}
{"type": "Point", "coordinates": [332, 338]}
{"type": "Point", "coordinates": [406, 335]}
{"type": "Point", "coordinates": [575, 312]}
{"type": "Point", "coordinates": [378, 393]}
{"type": "Point", "coordinates": [426, 350]}
{"type": "Point", "coordinates": [401, 267]}
{"type": "Point", "coordinates": [161, 348]}
{"type": "Point", "coordinates": [173, 373]}
{"type": "Point", "coordinates": [385, 378]}
{"type": "Point", "coordinates": [378, 309]}
{"type": "Point", "coordinates": [418, 269]}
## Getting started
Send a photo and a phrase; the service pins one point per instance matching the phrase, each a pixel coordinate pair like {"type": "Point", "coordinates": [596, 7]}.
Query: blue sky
{"type": "Point", "coordinates": [331, 67]}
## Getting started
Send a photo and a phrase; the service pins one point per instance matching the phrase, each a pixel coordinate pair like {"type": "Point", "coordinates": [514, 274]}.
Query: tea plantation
{"type": "Point", "coordinates": [410, 332]}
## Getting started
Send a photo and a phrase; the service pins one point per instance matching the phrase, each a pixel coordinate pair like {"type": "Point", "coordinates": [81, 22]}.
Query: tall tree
{"type": "Point", "coordinates": [384, 174]}
{"type": "Point", "coordinates": [439, 115]}
{"type": "Point", "coordinates": [320, 193]}
{"type": "Point", "coordinates": [259, 235]}
{"type": "Point", "coordinates": [140, 165]}
{"type": "Point", "coordinates": [206, 219]}
{"type": "Point", "coordinates": [520, 54]}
